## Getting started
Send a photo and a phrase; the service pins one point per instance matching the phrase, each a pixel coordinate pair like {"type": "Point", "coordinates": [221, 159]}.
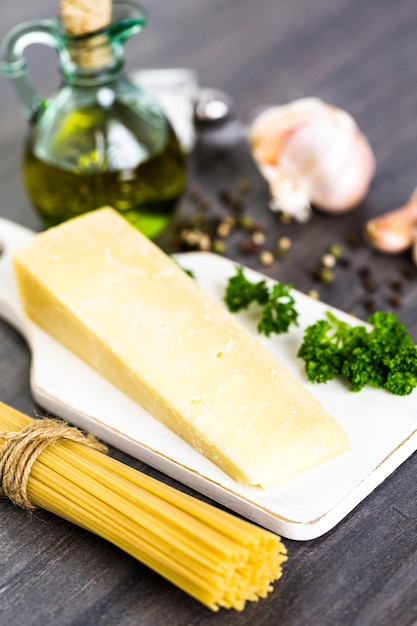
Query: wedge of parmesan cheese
{"type": "Point", "coordinates": [117, 301]}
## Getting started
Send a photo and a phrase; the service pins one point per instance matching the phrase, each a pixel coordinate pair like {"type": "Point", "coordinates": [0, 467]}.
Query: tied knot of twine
{"type": "Point", "coordinates": [20, 449]}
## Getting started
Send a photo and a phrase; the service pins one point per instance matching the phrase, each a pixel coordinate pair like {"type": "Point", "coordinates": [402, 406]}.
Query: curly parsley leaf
{"type": "Point", "coordinates": [279, 311]}
{"type": "Point", "coordinates": [240, 292]}
{"type": "Point", "coordinates": [383, 356]}
{"type": "Point", "coordinates": [278, 305]}
{"type": "Point", "coordinates": [320, 352]}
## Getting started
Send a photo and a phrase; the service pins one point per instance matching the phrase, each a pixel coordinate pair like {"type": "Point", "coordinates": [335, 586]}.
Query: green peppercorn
{"type": "Point", "coordinates": [326, 275]}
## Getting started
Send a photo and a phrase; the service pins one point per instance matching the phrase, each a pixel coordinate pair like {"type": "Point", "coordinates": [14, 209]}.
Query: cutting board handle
{"type": "Point", "coordinates": [11, 237]}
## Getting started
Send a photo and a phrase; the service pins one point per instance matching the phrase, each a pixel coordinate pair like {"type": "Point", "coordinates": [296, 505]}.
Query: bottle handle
{"type": "Point", "coordinates": [14, 64]}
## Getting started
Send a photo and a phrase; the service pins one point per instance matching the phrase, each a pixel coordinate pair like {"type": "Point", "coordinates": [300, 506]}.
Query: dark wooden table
{"type": "Point", "coordinates": [362, 57]}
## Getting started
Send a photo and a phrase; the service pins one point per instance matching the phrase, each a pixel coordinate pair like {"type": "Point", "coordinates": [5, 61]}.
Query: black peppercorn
{"type": "Point", "coordinates": [397, 285]}
{"type": "Point", "coordinates": [395, 300]}
{"type": "Point", "coordinates": [370, 285]}
{"type": "Point", "coordinates": [370, 305]}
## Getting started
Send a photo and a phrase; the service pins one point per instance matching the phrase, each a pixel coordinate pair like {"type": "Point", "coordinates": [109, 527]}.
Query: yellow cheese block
{"type": "Point", "coordinates": [116, 300]}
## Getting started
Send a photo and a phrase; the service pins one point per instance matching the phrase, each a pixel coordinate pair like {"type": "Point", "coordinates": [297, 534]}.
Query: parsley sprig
{"type": "Point", "coordinates": [278, 305]}
{"type": "Point", "coordinates": [384, 356]}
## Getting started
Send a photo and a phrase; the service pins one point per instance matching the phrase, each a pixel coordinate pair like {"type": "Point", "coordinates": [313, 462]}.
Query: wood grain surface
{"type": "Point", "coordinates": [362, 57]}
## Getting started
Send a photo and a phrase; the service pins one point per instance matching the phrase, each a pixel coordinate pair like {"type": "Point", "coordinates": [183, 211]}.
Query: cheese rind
{"type": "Point", "coordinates": [116, 300]}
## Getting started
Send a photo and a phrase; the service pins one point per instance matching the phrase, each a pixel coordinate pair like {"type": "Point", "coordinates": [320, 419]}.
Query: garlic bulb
{"type": "Point", "coordinates": [395, 231]}
{"type": "Point", "coordinates": [311, 153]}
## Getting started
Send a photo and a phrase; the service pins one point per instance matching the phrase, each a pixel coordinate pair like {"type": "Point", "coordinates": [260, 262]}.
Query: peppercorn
{"type": "Point", "coordinates": [205, 243]}
{"type": "Point", "coordinates": [336, 251]}
{"type": "Point", "coordinates": [284, 244]}
{"type": "Point", "coordinates": [258, 237]}
{"type": "Point", "coordinates": [237, 204]}
{"type": "Point", "coordinates": [397, 285]}
{"type": "Point", "coordinates": [328, 260]}
{"type": "Point", "coordinates": [353, 239]}
{"type": "Point", "coordinates": [248, 247]}
{"type": "Point", "coordinates": [344, 262]}
{"type": "Point", "coordinates": [364, 272]}
{"type": "Point", "coordinates": [195, 239]}
{"type": "Point", "coordinates": [219, 246]}
{"type": "Point", "coordinates": [266, 257]}
{"type": "Point", "coordinates": [326, 275]}
{"type": "Point", "coordinates": [370, 285]}
{"type": "Point", "coordinates": [246, 222]}
{"type": "Point", "coordinates": [409, 272]}
{"type": "Point", "coordinates": [395, 300]}
{"type": "Point", "coordinates": [224, 228]}
{"type": "Point", "coordinates": [370, 305]}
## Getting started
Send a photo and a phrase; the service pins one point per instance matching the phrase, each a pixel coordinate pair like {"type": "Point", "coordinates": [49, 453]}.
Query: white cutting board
{"type": "Point", "coordinates": [382, 428]}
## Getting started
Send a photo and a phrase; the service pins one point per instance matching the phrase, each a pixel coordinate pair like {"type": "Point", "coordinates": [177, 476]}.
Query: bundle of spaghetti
{"type": "Point", "coordinates": [216, 557]}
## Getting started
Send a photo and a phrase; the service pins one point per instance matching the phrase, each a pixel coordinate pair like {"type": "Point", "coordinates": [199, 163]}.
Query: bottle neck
{"type": "Point", "coordinates": [91, 63]}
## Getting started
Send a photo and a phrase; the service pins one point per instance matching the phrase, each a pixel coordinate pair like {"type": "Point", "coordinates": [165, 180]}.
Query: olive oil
{"type": "Point", "coordinates": [100, 138]}
{"type": "Point", "coordinates": [99, 157]}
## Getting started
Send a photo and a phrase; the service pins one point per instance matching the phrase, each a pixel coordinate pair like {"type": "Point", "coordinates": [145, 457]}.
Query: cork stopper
{"type": "Point", "coordinates": [81, 17]}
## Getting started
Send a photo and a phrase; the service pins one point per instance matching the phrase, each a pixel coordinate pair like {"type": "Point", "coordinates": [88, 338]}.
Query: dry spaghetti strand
{"type": "Point", "coordinates": [217, 558]}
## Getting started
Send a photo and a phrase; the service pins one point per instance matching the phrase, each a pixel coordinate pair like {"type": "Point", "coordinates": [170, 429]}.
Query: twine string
{"type": "Point", "coordinates": [21, 448]}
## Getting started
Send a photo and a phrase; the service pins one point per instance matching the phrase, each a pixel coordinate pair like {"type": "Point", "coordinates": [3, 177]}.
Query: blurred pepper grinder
{"type": "Point", "coordinates": [101, 139]}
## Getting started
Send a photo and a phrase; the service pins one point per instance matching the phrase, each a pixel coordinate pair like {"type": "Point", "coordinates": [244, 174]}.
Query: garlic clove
{"type": "Point", "coordinates": [312, 153]}
{"type": "Point", "coordinates": [395, 231]}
